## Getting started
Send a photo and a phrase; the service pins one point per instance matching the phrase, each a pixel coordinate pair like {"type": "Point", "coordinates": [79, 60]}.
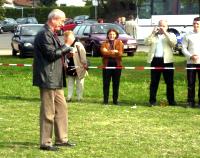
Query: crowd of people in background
{"type": "Point", "coordinates": [162, 45]}
{"type": "Point", "coordinates": [127, 23]}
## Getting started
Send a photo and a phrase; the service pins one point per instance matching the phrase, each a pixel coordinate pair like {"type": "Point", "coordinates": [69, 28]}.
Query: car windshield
{"type": "Point", "coordinates": [30, 30]}
{"type": "Point", "coordinates": [21, 20]}
{"type": "Point", "coordinates": [103, 28]}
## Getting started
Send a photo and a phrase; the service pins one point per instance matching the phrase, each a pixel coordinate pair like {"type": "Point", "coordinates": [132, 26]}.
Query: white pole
{"type": "Point", "coordinates": [95, 12]}
{"type": "Point", "coordinates": [22, 12]}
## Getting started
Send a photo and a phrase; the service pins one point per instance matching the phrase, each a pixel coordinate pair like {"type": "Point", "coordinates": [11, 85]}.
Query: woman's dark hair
{"type": "Point", "coordinates": [197, 19]}
{"type": "Point", "coordinates": [113, 30]}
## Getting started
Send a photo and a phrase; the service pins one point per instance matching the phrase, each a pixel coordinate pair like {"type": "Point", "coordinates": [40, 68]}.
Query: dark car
{"type": "Point", "coordinates": [23, 40]}
{"type": "Point", "coordinates": [93, 34]}
{"type": "Point", "coordinates": [7, 25]}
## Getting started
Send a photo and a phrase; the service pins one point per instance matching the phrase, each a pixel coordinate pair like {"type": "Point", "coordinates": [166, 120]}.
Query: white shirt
{"type": "Point", "coordinates": [159, 47]}
{"type": "Point", "coordinates": [191, 46]}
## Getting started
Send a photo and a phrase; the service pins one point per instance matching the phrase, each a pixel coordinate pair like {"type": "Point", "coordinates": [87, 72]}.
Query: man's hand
{"type": "Point", "coordinates": [155, 30]}
{"type": "Point", "coordinates": [194, 58]}
{"type": "Point", "coordinates": [70, 55]}
{"type": "Point", "coordinates": [65, 50]}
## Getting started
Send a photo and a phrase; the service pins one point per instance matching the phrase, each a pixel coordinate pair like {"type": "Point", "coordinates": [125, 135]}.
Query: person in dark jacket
{"type": "Point", "coordinates": [49, 76]}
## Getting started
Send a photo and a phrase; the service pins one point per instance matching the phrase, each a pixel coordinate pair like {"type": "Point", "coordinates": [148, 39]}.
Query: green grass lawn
{"type": "Point", "coordinates": [132, 130]}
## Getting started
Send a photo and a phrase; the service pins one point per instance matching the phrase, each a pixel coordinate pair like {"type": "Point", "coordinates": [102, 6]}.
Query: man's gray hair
{"type": "Point", "coordinates": [56, 13]}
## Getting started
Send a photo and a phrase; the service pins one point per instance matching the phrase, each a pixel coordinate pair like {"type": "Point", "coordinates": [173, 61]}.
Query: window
{"type": "Point", "coordinates": [189, 8]}
{"type": "Point", "coordinates": [87, 30]}
{"type": "Point", "coordinates": [144, 10]}
{"type": "Point", "coordinates": [80, 32]}
{"type": "Point", "coordinates": [76, 29]}
{"type": "Point", "coordinates": [164, 7]}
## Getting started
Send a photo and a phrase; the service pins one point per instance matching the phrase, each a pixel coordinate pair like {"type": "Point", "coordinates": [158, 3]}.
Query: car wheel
{"type": "Point", "coordinates": [94, 51]}
{"type": "Point", "coordinates": [21, 54]}
{"type": "Point", "coordinates": [14, 52]}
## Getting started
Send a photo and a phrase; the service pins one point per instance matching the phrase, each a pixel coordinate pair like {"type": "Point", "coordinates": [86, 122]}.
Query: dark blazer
{"type": "Point", "coordinates": [106, 52]}
{"type": "Point", "coordinates": [48, 69]}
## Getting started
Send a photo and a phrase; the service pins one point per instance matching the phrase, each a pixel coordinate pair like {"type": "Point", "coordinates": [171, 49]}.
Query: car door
{"type": "Point", "coordinates": [87, 37]}
{"type": "Point", "coordinates": [80, 35]}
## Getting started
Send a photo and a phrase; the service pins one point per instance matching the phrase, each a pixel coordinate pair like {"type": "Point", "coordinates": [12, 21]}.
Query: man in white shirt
{"type": "Point", "coordinates": [161, 45]}
{"type": "Point", "coordinates": [191, 49]}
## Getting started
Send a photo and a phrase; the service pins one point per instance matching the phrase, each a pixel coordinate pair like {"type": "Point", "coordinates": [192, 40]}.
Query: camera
{"type": "Point", "coordinates": [157, 29]}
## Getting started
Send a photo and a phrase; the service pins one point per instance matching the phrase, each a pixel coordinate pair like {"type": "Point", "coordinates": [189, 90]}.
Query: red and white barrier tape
{"type": "Point", "coordinates": [19, 65]}
{"type": "Point", "coordinates": [120, 67]}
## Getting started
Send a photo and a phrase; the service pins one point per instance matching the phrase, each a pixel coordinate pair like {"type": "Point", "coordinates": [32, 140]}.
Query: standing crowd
{"type": "Point", "coordinates": [55, 61]}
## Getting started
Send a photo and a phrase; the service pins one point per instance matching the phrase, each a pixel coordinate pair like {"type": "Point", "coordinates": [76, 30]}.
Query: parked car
{"type": "Point", "coordinates": [27, 20]}
{"type": "Point", "coordinates": [22, 41]}
{"type": "Point", "coordinates": [80, 19]}
{"type": "Point", "coordinates": [68, 25]}
{"type": "Point", "coordinates": [93, 34]}
{"type": "Point", "coordinates": [8, 24]}
{"type": "Point", "coordinates": [179, 37]}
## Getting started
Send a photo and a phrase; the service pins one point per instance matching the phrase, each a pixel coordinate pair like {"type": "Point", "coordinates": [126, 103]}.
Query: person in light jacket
{"type": "Point", "coordinates": [76, 66]}
{"type": "Point", "coordinates": [191, 49]}
{"type": "Point", "coordinates": [161, 44]}
{"type": "Point", "coordinates": [131, 27]}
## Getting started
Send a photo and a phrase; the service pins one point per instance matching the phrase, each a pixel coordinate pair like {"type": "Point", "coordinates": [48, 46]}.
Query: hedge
{"type": "Point", "coordinates": [41, 13]}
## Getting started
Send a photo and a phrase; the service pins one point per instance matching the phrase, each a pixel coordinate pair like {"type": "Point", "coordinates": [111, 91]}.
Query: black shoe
{"type": "Point", "coordinates": [151, 104]}
{"type": "Point", "coordinates": [115, 103]}
{"type": "Point", "coordinates": [172, 103]}
{"type": "Point", "coordinates": [67, 144]}
{"type": "Point", "coordinates": [191, 104]}
{"type": "Point", "coordinates": [49, 148]}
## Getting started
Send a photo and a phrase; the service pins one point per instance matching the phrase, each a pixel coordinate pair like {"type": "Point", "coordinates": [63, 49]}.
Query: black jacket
{"type": "Point", "coordinates": [48, 69]}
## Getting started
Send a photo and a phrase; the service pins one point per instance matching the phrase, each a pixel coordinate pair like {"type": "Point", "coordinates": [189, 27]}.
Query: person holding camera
{"type": "Point", "coordinates": [161, 44]}
{"type": "Point", "coordinates": [49, 76]}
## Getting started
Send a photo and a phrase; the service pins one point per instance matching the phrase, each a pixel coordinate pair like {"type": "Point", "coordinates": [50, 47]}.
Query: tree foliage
{"type": "Point", "coordinates": [48, 2]}
{"type": "Point", "coordinates": [113, 8]}
{"type": "Point", "coordinates": [2, 2]}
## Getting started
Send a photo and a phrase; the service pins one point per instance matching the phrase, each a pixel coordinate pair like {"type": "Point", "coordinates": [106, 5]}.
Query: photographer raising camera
{"type": "Point", "coordinates": [161, 44]}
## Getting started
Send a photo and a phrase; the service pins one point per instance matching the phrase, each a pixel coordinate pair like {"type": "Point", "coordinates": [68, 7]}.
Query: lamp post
{"type": "Point", "coordinates": [33, 7]}
{"type": "Point", "coordinates": [95, 4]}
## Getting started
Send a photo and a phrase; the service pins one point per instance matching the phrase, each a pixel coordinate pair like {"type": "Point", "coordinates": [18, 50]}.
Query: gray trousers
{"type": "Point", "coordinates": [53, 116]}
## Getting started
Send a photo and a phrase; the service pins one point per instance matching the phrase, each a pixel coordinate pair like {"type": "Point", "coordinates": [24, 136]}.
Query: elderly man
{"type": "Point", "coordinates": [48, 75]}
{"type": "Point", "coordinates": [191, 49]}
{"type": "Point", "coordinates": [161, 55]}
